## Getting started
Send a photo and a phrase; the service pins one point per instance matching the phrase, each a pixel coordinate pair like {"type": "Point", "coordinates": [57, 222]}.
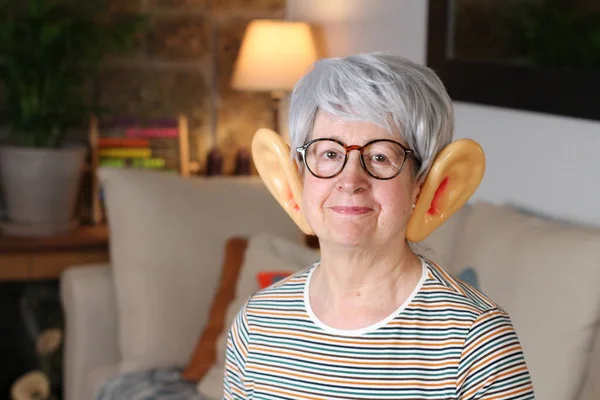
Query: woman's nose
{"type": "Point", "coordinates": [353, 177]}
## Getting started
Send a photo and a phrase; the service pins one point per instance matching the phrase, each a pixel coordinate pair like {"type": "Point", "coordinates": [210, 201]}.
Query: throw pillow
{"type": "Point", "coordinates": [268, 278]}
{"type": "Point", "coordinates": [204, 354]}
{"type": "Point", "coordinates": [469, 276]}
{"type": "Point", "coordinates": [545, 275]}
{"type": "Point", "coordinates": [264, 253]}
{"type": "Point", "coordinates": [167, 235]}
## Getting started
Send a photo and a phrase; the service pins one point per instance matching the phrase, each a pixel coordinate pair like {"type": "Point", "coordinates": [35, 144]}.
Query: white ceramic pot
{"type": "Point", "coordinates": [40, 188]}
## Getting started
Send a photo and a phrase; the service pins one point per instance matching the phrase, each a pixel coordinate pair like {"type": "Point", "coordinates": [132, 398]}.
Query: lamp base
{"type": "Point", "coordinates": [276, 96]}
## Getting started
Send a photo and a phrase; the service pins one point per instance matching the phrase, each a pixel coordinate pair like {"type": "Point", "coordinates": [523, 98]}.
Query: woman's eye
{"type": "Point", "coordinates": [330, 155]}
{"type": "Point", "coordinates": [380, 158]}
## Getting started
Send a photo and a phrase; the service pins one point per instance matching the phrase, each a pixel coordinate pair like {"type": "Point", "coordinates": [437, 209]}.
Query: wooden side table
{"type": "Point", "coordinates": [46, 258]}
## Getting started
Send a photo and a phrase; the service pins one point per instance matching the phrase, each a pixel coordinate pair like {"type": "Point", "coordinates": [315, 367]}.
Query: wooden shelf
{"type": "Point", "coordinates": [81, 238]}
{"type": "Point", "coordinates": [46, 258]}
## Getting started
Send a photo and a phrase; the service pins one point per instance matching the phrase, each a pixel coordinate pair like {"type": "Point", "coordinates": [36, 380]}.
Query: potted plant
{"type": "Point", "coordinates": [50, 52]}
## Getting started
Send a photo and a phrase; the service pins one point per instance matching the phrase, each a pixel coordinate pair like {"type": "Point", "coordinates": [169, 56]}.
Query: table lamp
{"type": "Point", "coordinates": [274, 54]}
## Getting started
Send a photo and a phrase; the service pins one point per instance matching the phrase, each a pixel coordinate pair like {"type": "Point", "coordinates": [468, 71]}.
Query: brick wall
{"type": "Point", "coordinates": [184, 64]}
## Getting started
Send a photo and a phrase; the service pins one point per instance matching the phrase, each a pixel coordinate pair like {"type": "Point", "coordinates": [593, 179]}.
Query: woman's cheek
{"type": "Point", "coordinates": [308, 206]}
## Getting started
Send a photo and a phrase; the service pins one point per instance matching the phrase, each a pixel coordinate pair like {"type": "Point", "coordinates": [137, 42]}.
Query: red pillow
{"type": "Point", "coordinates": [205, 353]}
{"type": "Point", "coordinates": [266, 279]}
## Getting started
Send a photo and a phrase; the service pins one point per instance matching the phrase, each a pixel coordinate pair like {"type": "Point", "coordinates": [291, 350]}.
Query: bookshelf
{"type": "Point", "coordinates": [156, 145]}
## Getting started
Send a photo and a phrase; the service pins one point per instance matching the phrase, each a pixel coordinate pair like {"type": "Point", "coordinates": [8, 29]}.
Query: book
{"type": "Point", "coordinates": [112, 162]}
{"type": "Point", "coordinates": [152, 132]}
{"type": "Point", "coordinates": [125, 152]}
{"type": "Point", "coordinates": [147, 163]}
{"type": "Point", "coordinates": [150, 163]}
{"type": "Point", "coordinates": [107, 142]}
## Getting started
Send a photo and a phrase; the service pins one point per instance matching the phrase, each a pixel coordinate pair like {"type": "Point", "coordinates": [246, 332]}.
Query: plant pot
{"type": "Point", "coordinates": [40, 188]}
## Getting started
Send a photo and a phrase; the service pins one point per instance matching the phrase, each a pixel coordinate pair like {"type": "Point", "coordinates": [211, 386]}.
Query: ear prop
{"type": "Point", "coordinates": [279, 173]}
{"type": "Point", "coordinates": [452, 180]}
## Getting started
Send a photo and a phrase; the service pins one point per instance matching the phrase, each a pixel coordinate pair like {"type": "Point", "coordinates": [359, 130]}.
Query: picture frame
{"type": "Point", "coordinates": [566, 92]}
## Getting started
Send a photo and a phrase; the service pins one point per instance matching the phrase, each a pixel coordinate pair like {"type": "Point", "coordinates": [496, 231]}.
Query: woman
{"type": "Point", "coordinates": [372, 319]}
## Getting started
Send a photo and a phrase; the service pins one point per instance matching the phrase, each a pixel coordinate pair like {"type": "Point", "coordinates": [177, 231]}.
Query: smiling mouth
{"type": "Point", "coordinates": [351, 210]}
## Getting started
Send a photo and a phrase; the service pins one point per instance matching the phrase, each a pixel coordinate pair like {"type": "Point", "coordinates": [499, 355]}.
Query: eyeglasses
{"type": "Point", "coordinates": [382, 158]}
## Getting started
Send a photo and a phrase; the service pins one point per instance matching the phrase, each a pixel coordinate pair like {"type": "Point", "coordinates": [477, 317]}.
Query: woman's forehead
{"type": "Point", "coordinates": [349, 132]}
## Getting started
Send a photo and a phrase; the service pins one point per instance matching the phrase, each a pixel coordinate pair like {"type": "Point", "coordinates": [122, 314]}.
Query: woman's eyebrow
{"type": "Point", "coordinates": [336, 137]}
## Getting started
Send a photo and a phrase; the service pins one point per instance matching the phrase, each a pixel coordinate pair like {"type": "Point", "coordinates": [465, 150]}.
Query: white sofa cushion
{"type": "Point", "coordinates": [546, 276]}
{"type": "Point", "coordinates": [264, 253]}
{"type": "Point", "coordinates": [167, 234]}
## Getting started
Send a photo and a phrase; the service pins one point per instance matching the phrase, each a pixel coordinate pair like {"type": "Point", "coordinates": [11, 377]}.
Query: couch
{"type": "Point", "coordinates": [143, 314]}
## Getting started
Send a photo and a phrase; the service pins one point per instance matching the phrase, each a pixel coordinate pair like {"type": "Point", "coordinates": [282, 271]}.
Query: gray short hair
{"type": "Point", "coordinates": [403, 97]}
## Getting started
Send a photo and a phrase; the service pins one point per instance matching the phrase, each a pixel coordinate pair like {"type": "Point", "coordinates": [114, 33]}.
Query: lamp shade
{"type": "Point", "coordinates": [274, 54]}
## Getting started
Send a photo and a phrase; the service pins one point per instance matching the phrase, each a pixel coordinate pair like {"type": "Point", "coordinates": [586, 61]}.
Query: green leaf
{"type": "Point", "coordinates": [50, 51]}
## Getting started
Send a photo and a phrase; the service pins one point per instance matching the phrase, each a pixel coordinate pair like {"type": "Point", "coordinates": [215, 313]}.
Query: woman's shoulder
{"type": "Point", "coordinates": [448, 288]}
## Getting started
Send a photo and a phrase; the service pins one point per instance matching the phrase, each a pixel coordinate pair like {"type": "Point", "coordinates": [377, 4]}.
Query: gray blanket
{"type": "Point", "coordinates": [160, 384]}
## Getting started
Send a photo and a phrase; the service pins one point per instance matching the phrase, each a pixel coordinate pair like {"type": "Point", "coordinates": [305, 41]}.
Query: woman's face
{"type": "Point", "coordinates": [353, 209]}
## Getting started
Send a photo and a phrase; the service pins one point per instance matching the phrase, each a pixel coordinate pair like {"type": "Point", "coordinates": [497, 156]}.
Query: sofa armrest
{"type": "Point", "coordinates": [91, 339]}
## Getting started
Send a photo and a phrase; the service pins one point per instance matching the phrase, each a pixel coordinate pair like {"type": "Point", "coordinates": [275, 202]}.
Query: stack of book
{"type": "Point", "coordinates": [137, 147]}
{"type": "Point", "coordinates": [129, 143]}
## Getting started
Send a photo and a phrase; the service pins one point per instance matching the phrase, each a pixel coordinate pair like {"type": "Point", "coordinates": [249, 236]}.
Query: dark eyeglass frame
{"type": "Point", "coordinates": [407, 153]}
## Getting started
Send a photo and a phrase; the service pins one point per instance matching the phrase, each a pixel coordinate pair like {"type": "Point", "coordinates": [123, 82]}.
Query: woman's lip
{"type": "Point", "coordinates": [350, 210]}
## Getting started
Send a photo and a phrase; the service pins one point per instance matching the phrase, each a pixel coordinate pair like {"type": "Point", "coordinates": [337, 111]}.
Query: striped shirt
{"type": "Point", "coordinates": [447, 341]}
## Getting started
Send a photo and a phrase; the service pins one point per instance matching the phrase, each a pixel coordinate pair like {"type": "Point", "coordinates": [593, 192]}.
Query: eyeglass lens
{"type": "Point", "coordinates": [325, 158]}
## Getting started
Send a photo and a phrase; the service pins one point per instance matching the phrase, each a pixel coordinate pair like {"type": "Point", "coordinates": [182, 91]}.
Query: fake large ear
{"type": "Point", "coordinates": [280, 174]}
{"type": "Point", "coordinates": [452, 180]}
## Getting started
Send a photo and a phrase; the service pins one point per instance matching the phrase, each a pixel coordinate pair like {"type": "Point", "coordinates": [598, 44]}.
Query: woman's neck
{"type": "Point", "coordinates": [350, 282]}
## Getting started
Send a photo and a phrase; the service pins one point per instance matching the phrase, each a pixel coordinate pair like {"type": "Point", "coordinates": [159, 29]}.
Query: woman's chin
{"type": "Point", "coordinates": [351, 238]}
{"type": "Point", "coordinates": [346, 232]}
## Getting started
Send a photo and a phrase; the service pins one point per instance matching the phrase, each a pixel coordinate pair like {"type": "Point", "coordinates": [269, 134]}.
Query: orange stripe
{"type": "Point", "coordinates": [467, 350]}
{"type": "Point", "coordinates": [284, 392]}
{"type": "Point", "coordinates": [229, 367]}
{"type": "Point", "coordinates": [238, 392]}
{"type": "Point", "coordinates": [350, 381]}
{"type": "Point", "coordinates": [238, 345]}
{"type": "Point", "coordinates": [405, 324]}
{"type": "Point", "coordinates": [521, 390]}
{"type": "Point", "coordinates": [518, 390]}
{"type": "Point", "coordinates": [489, 359]}
{"type": "Point", "coordinates": [347, 341]}
{"type": "Point", "coordinates": [444, 306]}
{"type": "Point", "coordinates": [277, 296]}
{"type": "Point", "coordinates": [392, 364]}
{"type": "Point", "coordinates": [277, 313]}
